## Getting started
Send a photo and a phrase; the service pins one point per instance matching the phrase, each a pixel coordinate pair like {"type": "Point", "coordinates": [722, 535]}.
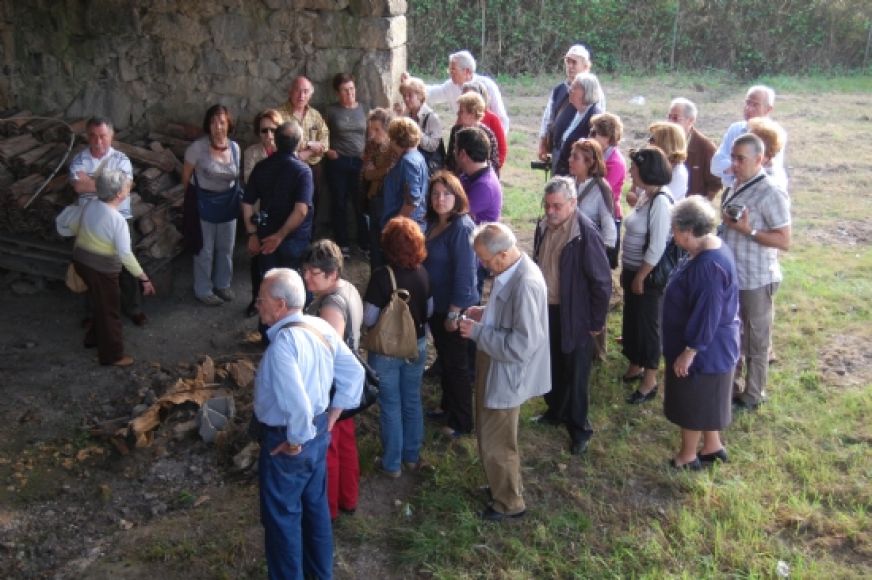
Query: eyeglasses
{"type": "Point", "coordinates": [265, 130]}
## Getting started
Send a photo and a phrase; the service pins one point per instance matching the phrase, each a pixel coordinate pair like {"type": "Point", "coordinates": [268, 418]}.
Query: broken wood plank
{"type": "Point", "coordinates": [26, 186]}
{"type": "Point", "coordinates": [174, 144]}
{"type": "Point", "coordinates": [12, 124]}
{"type": "Point", "coordinates": [22, 164]}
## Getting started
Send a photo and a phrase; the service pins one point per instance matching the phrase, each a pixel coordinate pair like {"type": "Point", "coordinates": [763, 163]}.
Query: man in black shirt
{"type": "Point", "coordinates": [283, 184]}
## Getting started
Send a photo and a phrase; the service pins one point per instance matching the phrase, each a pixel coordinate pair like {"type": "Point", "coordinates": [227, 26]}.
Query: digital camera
{"type": "Point", "coordinates": [735, 211]}
{"type": "Point", "coordinates": [260, 219]}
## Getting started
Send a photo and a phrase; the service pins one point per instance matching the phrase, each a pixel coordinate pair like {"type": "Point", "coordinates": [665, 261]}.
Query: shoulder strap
{"type": "Point", "coordinates": [745, 186]}
{"type": "Point", "coordinates": [650, 207]}
{"type": "Point", "coordinates": [310, 328]}
{"type": "Point", "coordinates": [586, 189]}
{"type": "Point", "coordinates": [393, 279]}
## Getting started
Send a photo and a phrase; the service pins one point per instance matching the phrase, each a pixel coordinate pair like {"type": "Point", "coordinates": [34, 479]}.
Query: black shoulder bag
{"type": "Point", "coordinates": [672, 254]}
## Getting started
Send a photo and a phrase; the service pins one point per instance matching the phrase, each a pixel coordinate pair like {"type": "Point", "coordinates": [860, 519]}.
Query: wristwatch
{"type": "Point", "coordinates": [753, 234]}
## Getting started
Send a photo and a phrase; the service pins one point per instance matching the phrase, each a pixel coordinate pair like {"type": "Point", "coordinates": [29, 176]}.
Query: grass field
{"type": "Point", "coordinates": [796, 495]}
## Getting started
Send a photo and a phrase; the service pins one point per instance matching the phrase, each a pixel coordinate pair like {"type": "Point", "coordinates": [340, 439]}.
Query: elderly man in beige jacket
{"type": "Point", "coordinates": [512, 364]}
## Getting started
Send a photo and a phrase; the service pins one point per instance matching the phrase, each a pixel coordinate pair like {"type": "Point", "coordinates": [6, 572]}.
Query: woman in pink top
{"type": "Point", "coordinates": [607, 129]}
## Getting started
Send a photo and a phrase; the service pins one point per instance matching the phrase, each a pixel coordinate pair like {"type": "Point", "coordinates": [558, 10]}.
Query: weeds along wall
{"type": "Point", "coordinates": [746, 37]}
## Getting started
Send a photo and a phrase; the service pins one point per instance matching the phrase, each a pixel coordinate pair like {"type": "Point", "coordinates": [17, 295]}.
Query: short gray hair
{"type": "Point", "coordinates": [477, 86]}
{"type": "Point", "coordinates": [768, 92]}
{"type": "Point", "coordinates": [464, 60]}
{"type": "Point", "coordinates": [494, 236]}
{"type": "Point", "coordinates": [687, 107]}
{"type": "Point", "coordinates": [110, 182]}
{"type": "Point", "coordinates": [593, 92]}
{"type": "Point", "coordinates": [288, 286]}
{"type": "Point", "coordinates": [562, 184]}
{"type": "Point", "coordinates": [753, 140]}
{"type": "Point", "coordinates": [694, 214]}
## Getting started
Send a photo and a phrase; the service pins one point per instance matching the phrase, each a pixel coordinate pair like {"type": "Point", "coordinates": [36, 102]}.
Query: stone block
{"type": "Point", "coordinates": [232, 31]}
{"type": "Point", "coordinates": [325, 63]}
{"type": "Point", "coordinates": [382, 33]}
{"type": "Point", "coordinates": [175, 28]}
{"type": "Point", "coordinates": [336, 30]}
{"type": "Point", "coordinates": [367, 8]}
{"type": "Point", "coordinates": [321, 5]}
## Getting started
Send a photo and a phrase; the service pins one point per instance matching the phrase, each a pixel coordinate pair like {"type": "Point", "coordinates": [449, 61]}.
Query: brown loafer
{"type": "Point", "coordinates": [124, 361]}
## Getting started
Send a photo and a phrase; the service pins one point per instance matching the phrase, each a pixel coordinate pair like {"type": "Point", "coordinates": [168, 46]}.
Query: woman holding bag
{"type": "Point", "coordinates": [401, 416]}
{"type": "Point", "coordinates": [214, 163]}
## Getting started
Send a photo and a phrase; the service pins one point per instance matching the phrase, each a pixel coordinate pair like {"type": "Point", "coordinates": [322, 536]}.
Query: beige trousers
{"type": "Point", "coordinates": [497, 433]}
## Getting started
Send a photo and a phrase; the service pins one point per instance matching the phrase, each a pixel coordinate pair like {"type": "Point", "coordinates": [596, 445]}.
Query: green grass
{"type": "Point", "coordinates": [797, 487]}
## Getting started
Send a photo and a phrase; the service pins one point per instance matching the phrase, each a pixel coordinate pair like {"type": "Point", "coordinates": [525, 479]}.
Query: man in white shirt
{"type": "Point", "coordinates": [759, 102]}
{"type": "Point", "coordinates": [85, 167]}
{"type": "Point", "coordinates": [295, 414]}
{"type": "Point", "coordinates": [461, 69]}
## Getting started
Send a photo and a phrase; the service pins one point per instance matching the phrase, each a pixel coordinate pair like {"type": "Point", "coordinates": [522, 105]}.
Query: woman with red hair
{"type": "Point", "coordinates": [400, 412]}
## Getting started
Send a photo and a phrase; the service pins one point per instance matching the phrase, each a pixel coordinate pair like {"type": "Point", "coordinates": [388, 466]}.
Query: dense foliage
{"type": "Point", "coordinates": [747, 37]}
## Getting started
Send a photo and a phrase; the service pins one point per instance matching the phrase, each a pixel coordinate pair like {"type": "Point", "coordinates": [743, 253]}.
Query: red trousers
{"type": "Point", "coordinates": [343, 468]}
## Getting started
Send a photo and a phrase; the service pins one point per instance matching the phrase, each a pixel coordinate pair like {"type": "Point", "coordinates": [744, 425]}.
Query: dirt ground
{"type": "Point", "coordinates": [71, 505]}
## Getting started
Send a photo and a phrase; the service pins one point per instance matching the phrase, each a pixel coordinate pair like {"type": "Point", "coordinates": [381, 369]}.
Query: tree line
{"type": "Point", "coordinates": [746, 37]}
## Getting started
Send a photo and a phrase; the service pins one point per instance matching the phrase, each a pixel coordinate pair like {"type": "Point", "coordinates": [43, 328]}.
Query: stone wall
{"type": "Point", "coordinates": [145, 62]}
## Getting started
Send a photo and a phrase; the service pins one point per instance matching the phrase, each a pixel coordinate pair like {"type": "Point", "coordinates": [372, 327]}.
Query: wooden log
{"type": "Point", "coordinates": [174, 144]}
{"type": "Point", "coordinates": [6, 177]}
{"type": "Point", "coordinates": [37, 127]}
{"type": "Point", "coordinates": [165, 160]}
{"type": "Point", "coordinates": [175, 195]}
{"type": "Point", "coordinates": [23, 163]}
{"type": "Point", "coordinates": [167, 244]}
{"type": "Point", "coordinates": [58, 183]}
{"type": "Point", "coordinates": [26, 186]}
{"type": "Point", "coordinates": [50, 160]}
{"type": "Point", "coordinates": [152, 181]}
{"type": "Point", "coordinates": [12, 125]}
{"type": "Point", "coordinates": [15, 146]}
{"type": "Point", "coordinates": [61, 132]}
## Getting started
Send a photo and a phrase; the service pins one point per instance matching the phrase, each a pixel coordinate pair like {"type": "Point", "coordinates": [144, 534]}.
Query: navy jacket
{"type": "Point", "coordinates": [585, 281]}
{"type": "Point", "coordinates": [281, 181]}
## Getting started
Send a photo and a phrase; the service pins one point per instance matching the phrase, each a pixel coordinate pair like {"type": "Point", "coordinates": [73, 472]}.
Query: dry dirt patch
{"type": "Point", "coordinates": [841, 233]}
{"type": "Point", "coordinates": [846, 361]}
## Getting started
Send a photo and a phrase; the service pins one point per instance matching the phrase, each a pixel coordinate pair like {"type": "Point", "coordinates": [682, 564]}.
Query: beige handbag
{"type": "Point", "coordinates": [394, 332]}
{"type": "Point", "coordinates": [74, 281]}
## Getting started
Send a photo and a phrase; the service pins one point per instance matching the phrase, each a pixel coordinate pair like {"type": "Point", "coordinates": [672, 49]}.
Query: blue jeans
{"type": "Point", "coordinates": [343, 177]}
{"type": "Point", "coordinates": [213, 265]}
{"type": "Point", "coordinates": [298, 535]}
{"type": "Point", "coordinates": [289, 254]}
{"type": "Point", "coordinates": [400, 412]}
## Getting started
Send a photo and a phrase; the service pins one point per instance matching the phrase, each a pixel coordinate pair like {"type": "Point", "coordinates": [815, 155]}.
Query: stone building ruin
{"type": "Point", "coordinates": [147, 62]}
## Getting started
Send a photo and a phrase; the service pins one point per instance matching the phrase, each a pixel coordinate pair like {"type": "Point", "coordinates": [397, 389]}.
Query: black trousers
{"type": "Point", "coordinates": [456, 382]}
{"type": "Point", "coordinates": [569, 398]}
{"type": "Point", "coordinates": [641, 324]}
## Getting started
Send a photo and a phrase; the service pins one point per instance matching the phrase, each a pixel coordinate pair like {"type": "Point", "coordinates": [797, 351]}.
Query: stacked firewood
{"type": "Point", "coordinates": [35, 154]}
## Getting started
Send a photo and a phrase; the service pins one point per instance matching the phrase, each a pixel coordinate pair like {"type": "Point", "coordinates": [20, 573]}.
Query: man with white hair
{"type": "Point", "coordinates": [700, 150]}
{"type": "Point", "coordinates": [293, 417]}
{"type": "Point", "coordinates": [759, 102]}
{"type": "Point", "coordinates": [559, 112]}
{"type": "Point", "coordinates": [461, 69]}
{"type": "Point", "coordinates": [512, 361]}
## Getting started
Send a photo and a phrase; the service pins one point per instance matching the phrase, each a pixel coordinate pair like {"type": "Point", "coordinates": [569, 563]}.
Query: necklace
{"type": "Point", "coordinates": [217, 147]}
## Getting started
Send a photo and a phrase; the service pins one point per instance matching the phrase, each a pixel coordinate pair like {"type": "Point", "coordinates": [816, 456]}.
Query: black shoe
{"type": "Point", "coordinates": [545, 419]}
{"type": "Point", "coordinates": [719, 455]}
{"type": "Point", "coordinates": [694, 465]}
{"type": "Point", "coordinates": [492, 515]}
{"type": "Point", "coordinates": [740, 404]}
{"type": "Point", "coordinates": [580, 447]}
{"type": "Point", "coordinates": [637, 397]}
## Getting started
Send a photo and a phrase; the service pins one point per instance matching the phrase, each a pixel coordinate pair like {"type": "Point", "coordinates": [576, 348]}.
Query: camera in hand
{"type": "Point", "coordinates": [260, 219]}
{"type": "Point", "coordinates": [735, 211]}
{"type": "Point", "coordinates": [541, 165]}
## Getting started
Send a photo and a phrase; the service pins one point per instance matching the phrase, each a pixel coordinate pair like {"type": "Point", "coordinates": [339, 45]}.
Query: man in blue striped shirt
{"type": "Point", "coordinates": [292, 403]}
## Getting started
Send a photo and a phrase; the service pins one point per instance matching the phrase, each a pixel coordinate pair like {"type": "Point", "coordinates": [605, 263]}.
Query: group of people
{"type": "Point", "coordinates": [427, 217]}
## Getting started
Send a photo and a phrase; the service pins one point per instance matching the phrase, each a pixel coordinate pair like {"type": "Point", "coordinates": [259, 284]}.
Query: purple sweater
{"type": "Point", "coordinates": [485, 195]}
